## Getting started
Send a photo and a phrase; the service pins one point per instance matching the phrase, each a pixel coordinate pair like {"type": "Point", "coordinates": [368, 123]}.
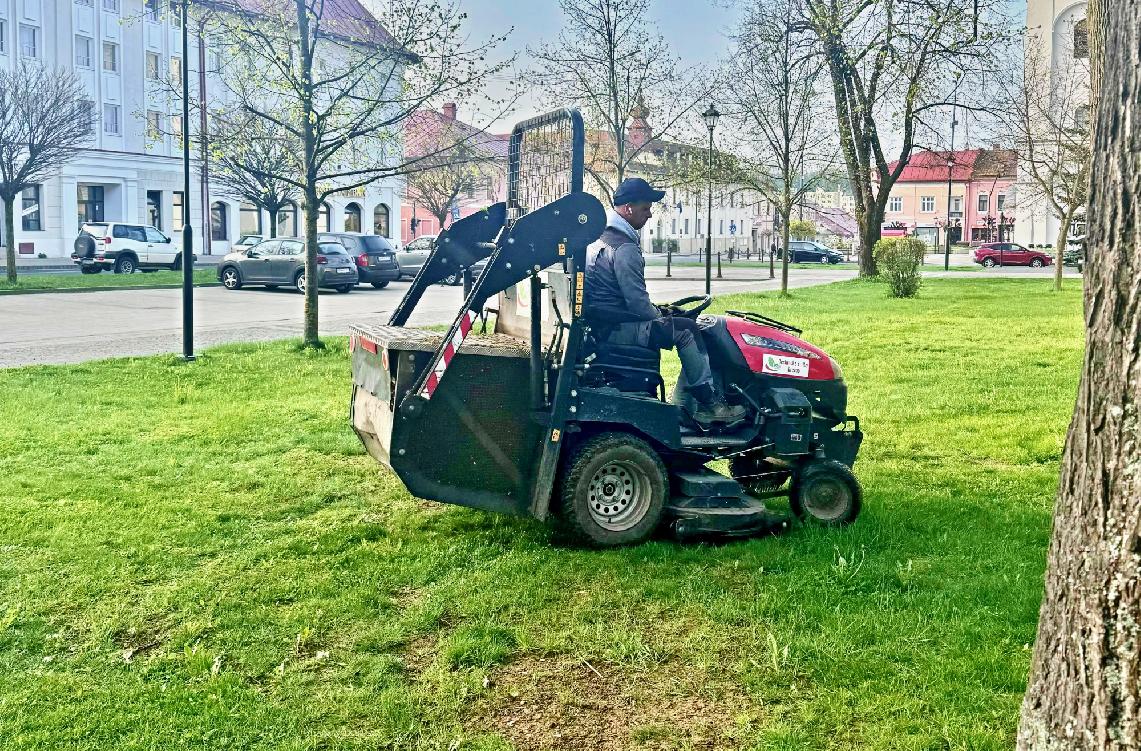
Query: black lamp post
{"type": "Point", "coordinates": [187, 232]}
{"type": "Point", "coordinates": [710, 116]}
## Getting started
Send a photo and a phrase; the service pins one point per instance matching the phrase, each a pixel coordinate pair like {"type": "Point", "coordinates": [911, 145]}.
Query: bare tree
{"type": "Point", "coordinates": [338, 85]}
{"type": "Point", "coordinates": [1085, 680]}
{"type": "Point", "coordinates": [893, 63]}
{"type": "Point", "coordinates": [45, 116]}
{"type": "Point", "coordinates": [249, 160]}
{"type": "Point", "coordinates": [464, 161]}
{"type": "Point", "coordinates": [608, 63]}
{"type": "Point", "coordinates": [778, 110]}
{"type": "Point", "coordinates": [1047, 121]}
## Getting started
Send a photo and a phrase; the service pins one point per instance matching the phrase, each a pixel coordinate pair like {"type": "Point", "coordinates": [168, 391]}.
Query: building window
{"type": "Point", "coordinates": [287, 220]}
{"type": "Point", "coordinates": [110, 57]}
{"type": "Point", "coordinates": [1081, 40]}
{"type": "Point", "coordinates": [176, 211]}
{"type": "Point", "coordinates": [1002, 202]}
{"type": "Point", "coordinates": [111, 6]}
{"type": "Point", "coordinates": [895, 204]}
{"type": "Point", "coordinates": [219, 227]}
{"type": "Point", "coordinates": [83, 51]}
{"type": "Point", "coordinates": [154, 127]}
{"type": "Point", "coordinates": [154, 208]}
{"type": "Point", "coordinates": [957, 205]}
{"type": "Point", "coordinates": [673, 226]}
{"type": "Point", "coordinates": [1081, 117]}
{"type": "Point", "coordinates": [687, 226]}
{"type": "Point", "coordinates": [153, 65]}
{"type": "Point", "coordinates": [176, 129]}
{"type": "Point", "coordinates": [984, 203]}
{"type": "Point", "coordinates": [380, 220]}
{"type": "Point", "coordinates": [176, 73]}
{"type": "Point", "coordinates": [30, 209]}
{"type": "Point", "coordinates": [150, 10]}
{"type": "Point", "coordinates": [89, 201]}
{"type": "Point", "coordinates": [324, 218]}
{"type": "Point", "coordinates": [249, 219]}
{"type": "Point", "coordinates": [3, 36]}
{"type": "Point", "coordinates": [927, 204]}
{"type": "Point", "coordinates": [353, 218]}
{"type": "Point", "coordinates": [29, 41]}
{"type": "Point", "coordinates": [111, 119]}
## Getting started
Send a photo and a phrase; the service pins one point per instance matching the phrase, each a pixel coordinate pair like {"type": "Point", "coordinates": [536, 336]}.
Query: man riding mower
{"type": "Point", "coordinates": [564, 409]}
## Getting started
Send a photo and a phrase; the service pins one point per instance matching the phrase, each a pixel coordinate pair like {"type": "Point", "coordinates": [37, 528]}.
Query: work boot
{"type": "Point", "coordinates": [718, 411]}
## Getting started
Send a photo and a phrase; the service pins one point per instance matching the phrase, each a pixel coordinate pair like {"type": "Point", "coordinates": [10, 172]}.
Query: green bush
{"type": "Point", "coordinates": [898, 260]}
{"type": "Point", "coordinates": [664, 244]}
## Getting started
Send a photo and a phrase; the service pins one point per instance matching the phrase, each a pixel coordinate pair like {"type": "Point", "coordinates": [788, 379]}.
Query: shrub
{"type": "Point", "coordinates": [898, 260]}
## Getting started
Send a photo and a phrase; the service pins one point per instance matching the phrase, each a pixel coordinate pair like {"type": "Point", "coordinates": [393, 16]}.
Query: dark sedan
{"type": "Point", "coordinates": [281, 262]}
{"type": "Point", "coordinates": [374, 256]}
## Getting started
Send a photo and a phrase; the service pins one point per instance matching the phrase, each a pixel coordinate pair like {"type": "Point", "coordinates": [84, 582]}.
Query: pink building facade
{"type": "Point", "coordinates": [982, 197]}
{"type": "Point", "coordinates": [424, 132]}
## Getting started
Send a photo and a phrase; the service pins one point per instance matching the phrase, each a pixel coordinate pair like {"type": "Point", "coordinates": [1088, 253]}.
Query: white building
{"type": "Point", "coordinates": [1057, 28]}
{"type": "Point", "coordinates": [122, 50]}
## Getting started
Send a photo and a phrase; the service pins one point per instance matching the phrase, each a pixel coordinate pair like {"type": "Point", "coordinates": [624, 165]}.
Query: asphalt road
{"type": "Point", "coordinates": [53, 328]}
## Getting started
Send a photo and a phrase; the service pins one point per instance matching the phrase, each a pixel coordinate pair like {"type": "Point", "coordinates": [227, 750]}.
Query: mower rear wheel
{"type": "Point", "coordinates": [826, 492]}
{"type": "Point", "coordinates": [757, 476]}
{"type": "Point", "coordinates": [613, 490]}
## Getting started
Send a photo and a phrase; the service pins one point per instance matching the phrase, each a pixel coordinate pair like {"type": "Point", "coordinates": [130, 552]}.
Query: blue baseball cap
{"type": "Point", "coordinates": [635, 190]}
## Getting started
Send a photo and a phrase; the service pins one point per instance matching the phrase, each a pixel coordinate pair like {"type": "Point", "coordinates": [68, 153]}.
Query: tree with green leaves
{"type": "Point", "coordinates": [894, 66]}
{"type": "Point", "coordinates": [45, 117]}
{"type": "Point", "coordinates": [337, 85]}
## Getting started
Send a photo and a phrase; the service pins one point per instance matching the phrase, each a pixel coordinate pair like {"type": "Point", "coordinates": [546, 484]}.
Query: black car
{"type": "Point", "coordinates": [373, 255]}
{"type": "Point", "coordinates": [808, 251]}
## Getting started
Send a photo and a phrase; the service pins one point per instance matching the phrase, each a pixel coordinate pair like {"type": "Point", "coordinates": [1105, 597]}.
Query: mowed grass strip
{"type": "Point", "coordinates": [105, 280]}
{"type": "Point", "coordinates": [207, 559]}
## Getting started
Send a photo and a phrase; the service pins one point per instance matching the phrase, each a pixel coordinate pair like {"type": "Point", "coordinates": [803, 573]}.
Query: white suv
{"type": "Point", "coordinates": [124, 248]}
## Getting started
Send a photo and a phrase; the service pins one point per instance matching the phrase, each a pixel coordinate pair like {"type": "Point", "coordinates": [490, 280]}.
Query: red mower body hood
{"type": "Point", "coordinates": [774, 352]}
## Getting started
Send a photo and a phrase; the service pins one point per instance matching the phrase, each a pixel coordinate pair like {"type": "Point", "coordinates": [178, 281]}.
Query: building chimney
{"type": "Point", "coordinates": [450, 111]}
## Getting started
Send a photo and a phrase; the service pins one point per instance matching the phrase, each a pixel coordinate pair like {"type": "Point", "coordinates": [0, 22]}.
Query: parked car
{"type": "Point", "coordinates": [1010, 254]}
{"type": "Point", "coordinates": [1075, 253]}
{"type": "Point", "coordinates": [374, 256]}
{"type": "Point", "coordinates": [247, 241]}
{"type": "Point", "coordinates": [124, 249]}
{"type": "Point", "coordinates": [802, 251]}
{"type": "Point", "coordinates": [415, 254]}
{"type": "Point", "coordinates": [281, 262]}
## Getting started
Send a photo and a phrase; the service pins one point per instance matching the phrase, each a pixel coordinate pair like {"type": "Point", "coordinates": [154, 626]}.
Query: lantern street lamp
{"type": "Point", "coordinates": [710, 116]}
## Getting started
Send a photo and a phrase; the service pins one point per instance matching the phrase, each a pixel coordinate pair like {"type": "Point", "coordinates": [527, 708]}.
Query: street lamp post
{"type": "Point", "coordinates": [950, 170]}
{"type": "Point", "coordinates": [187, 231]}
{"type": "Point", "coordinates": [710, 116]}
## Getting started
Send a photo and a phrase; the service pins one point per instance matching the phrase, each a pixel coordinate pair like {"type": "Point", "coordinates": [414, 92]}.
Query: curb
{"type": "Point", "coordinates": [68, 290]}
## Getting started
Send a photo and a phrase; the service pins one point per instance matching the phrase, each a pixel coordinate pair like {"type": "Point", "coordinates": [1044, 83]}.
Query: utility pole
{"type": "Point", "coordinates": [187, 230]}
{"type": "Point", "coordinates": [950, 169]}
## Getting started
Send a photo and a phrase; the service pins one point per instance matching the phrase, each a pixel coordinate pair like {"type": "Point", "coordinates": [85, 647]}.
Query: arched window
{"type": "Point", "coordinates": [287, 221]}
{"type": "Point", "coordinates": [1081, 40]}
{"type": "Point", "coordinates": [250, 219]}
{"type": "Point", "coordinates": [324, 219]}
{"type": "Point", "coordinates": [380, 220]}
{"type": "Point", "coordinates": [219, 224]}
{"type": "Point", "coordinates": [353, 217]}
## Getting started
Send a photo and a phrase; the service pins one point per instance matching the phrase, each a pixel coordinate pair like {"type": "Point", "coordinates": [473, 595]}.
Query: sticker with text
{"type": "Point", "coordinates": [781, 365]}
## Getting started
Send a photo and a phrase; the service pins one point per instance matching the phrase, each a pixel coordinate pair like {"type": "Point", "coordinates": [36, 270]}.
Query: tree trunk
{"type": "Point", "coordinates": [784, 256]}
{"type": "Point", "coordinates": [869, 232]}
{"type": "Point", "coordinates": [10, 236]}
{"type": "Point", "coordinates": [1060, 247]}
{"type": "Point", "coordinates": [1085, 680]}
{"type": "Point", "coordinates": [312, 206]}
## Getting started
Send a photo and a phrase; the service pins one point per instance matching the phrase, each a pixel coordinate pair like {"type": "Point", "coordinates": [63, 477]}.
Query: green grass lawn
{"type": "Point", "coordinates": [105, 280]}
{"type": "Point", "coordinates": [209, 560]}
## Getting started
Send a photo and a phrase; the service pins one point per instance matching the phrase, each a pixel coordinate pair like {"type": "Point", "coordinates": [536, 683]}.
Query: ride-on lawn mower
{"type": "Point", "coordinates": [545, 416]}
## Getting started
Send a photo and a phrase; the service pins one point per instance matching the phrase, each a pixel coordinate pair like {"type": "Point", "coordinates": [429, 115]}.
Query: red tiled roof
{"type": "Point", "coordinates": [931, 166]}
{"type": "Point", "coordinates": [424, 129]}
{"type": "Point", "coordinates": [343, 18]}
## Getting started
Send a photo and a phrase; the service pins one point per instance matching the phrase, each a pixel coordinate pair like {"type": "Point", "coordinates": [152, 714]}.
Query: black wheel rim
{"type": "Point", "coordinates": [826, 498]}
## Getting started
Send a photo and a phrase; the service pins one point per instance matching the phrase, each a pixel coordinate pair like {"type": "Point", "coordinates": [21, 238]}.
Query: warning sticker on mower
{"type": "Point", "coordinates": [781, 365]}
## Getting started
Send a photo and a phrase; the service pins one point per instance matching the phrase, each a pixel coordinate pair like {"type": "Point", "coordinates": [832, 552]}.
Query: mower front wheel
{"type": "Point", "coordinates": [826, 492]}
{"type": "Point", "coordinates": [613, 490]}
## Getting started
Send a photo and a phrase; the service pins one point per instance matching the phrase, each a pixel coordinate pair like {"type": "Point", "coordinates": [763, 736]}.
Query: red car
{"type": "Point", "coordinates": [1010, 254]}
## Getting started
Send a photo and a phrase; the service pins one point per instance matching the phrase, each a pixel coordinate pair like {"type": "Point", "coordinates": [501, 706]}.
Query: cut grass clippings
{"type": "Point", "coordinates": [209, 560]}
{"type": "Point", "coordinates": [103, 281]}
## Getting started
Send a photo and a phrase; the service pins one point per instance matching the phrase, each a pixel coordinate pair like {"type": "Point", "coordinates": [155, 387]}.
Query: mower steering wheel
{"type": "Point", "coordinates": [702, 301]}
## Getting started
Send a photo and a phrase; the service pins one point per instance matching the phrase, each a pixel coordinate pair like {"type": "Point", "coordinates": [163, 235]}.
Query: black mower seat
{"type": "Point", "coordinates": [626, 367]}
{"type": "Point", "coordinates": [627, 355]}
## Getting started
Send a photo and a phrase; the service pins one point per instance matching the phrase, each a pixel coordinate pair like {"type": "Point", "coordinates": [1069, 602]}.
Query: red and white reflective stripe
{"type": "Point", "coordinates": [449, 352]}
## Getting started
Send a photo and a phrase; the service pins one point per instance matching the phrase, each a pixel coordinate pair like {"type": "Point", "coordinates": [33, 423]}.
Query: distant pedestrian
{"type": "Point", "coordinates": [773, 250]}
